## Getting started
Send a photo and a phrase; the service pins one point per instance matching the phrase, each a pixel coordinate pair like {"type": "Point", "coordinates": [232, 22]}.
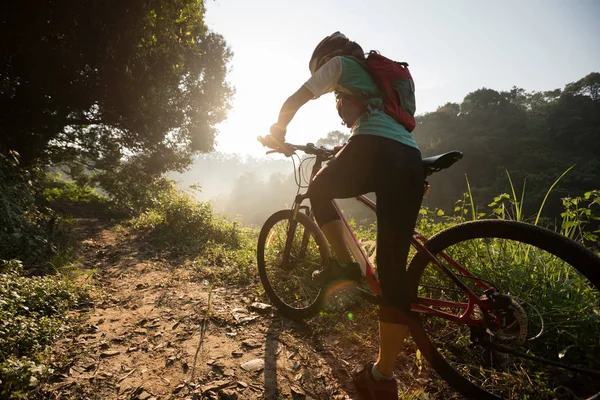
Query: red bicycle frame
{"type": "Point", "coordinates": [421, 304]}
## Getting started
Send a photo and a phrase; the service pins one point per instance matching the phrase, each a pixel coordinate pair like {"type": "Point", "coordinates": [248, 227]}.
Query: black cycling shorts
{"type": "Point", "coordinates": [394, 172]}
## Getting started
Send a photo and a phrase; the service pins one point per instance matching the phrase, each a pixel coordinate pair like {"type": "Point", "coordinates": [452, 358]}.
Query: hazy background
{"type": "Point", "coordinates": [453, 48]}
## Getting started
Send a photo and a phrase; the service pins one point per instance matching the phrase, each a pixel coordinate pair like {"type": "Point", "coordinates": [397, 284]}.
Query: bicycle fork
{"type": "Point", "coordinates": [291, 233]}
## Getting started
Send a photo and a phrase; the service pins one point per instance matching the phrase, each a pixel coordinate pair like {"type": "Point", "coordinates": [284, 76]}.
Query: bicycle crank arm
{"type": "Point", "coordinates": [504, 349]}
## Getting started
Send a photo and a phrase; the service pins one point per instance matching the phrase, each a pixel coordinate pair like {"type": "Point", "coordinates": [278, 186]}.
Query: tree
{"type": "Point", "coordinates": [535, 136]}
{"type": "Point", "coordinates": [99, 81]}
{"type": "Point", "coordinates": [333, 138]}
{"type": "Point", "coordinates": [586, 86]}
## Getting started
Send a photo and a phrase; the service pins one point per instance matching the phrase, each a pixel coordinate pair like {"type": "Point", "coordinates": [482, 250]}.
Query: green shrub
{"type": "Point", "coordinates": [131, 189]}
{"type": "Point", "coordinates": [179, 223]}
{"type": "Point", "coordinates": [580, 220]}
{"type": "Point", "coordinates": [32, 316]}
{"type": "Point", "coordinates": [57, 190]}
{"type": "Point", "coordinates": [28, 232]}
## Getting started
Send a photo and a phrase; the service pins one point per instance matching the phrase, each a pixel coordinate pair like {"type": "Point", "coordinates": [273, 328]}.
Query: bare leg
{"type": "Point", "coordinates": [391, 341]}
{"type": "Point", "coordinates": [334, 232]}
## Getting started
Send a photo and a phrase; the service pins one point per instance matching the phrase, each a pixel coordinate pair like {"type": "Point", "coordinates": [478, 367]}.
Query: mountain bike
{"type": "Point", "coordinates": [498, 305]}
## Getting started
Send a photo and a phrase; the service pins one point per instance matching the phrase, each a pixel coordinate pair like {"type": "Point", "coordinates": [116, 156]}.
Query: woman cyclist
{"type": "Point", "coordinates": [382, 157]}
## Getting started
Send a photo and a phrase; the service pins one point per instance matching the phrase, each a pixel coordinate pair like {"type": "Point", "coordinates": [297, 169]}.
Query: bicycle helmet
{"type": "Point", "coordinates": [333, 45]}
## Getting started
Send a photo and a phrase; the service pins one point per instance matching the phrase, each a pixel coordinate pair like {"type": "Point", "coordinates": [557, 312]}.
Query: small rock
{"type": "Point", "coordinates": [237, 353]}
{"type": "Point", "coordinates": [251, 343]}
{"type": "Point", "coordinates": [178, 388]}
{"type": "Point", "coordinates": [229, 372]}
{"type": "Point", "coordinates": [297, 391]}
{"type": "Point", "coordinates": [144, 396]}
{"type": "Point", "coordinates": [227, 394]}
{"type": "Point", "coordinates": [254, 365]}
{"type": "Point", "coordinates": [110, 353]}
{"type": "Point", "coordinates": [215, 386]}
{"type": "Point", "coordinates": [260, 307]}
{"type": "Point", "coordinates": [134, 348]}
{"type": "Point", "coordinates": [242, 384]}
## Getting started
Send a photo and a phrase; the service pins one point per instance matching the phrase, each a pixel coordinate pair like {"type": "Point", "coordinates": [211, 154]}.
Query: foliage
{"type": "Point", "coordinates": [32, 315]}
{"type": "Point", "coordinates": [89, 83]}
{"type": "Point", "coordinates": [16, 203]}
{"type": "Point", "coordinates": [579, 214]}
{"type": "Point", "coordinates": [175, 221]}
{"type": "Point", "coordinates": [219, 249]}
{"type": "Point", "coordinates": [534, 135]}
{"type": "Point", "coordinates": [57, 190]}
{"type": "Point", "coordinates": [131, 189]}
{"type": "Point", "coordinates": [29, 230]}
{"type": "Point", "coordinates": [333, 138]}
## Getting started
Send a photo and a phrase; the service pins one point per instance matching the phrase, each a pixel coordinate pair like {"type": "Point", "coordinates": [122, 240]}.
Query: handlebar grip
{"type": "Point", "coordinates": [282, 147]}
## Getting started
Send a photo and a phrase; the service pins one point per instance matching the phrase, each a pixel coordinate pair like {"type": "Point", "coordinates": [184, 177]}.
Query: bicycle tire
{"type": "Point", "coordinates": [309, 262]}
{"type": "Point", "coordinates": [582, 259]}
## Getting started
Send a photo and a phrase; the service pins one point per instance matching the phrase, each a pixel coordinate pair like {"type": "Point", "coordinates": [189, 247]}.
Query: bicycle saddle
{"type": "Point", "coordinates": [442, 161]}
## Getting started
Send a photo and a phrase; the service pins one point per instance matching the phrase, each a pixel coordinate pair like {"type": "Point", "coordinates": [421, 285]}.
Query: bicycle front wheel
{"type": "Point", "coordinates": [288, 252]}
{"type": "Point", "coordinates": [541, 337]}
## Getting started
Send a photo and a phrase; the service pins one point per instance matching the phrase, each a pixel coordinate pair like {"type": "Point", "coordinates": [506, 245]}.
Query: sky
{"type": "Point", "coordinates": [453, 48]}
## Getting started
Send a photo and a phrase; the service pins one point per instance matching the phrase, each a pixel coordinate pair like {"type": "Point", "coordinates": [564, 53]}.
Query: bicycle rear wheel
{"type": "Point", "coordinates": [288, 253]}
{"type": "Point", "coordinates": [551, 312]}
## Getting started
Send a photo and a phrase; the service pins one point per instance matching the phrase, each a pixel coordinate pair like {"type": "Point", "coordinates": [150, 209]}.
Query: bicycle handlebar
{"type": "Point", "coordinates": [289, 149]}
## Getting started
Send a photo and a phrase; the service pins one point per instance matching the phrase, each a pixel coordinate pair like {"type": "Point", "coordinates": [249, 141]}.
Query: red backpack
{"type": "Point", "coordinates": [397, 91]}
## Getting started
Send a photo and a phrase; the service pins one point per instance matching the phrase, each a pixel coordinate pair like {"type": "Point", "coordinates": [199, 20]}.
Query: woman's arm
{"type": "Point", "coordinates": [289, 109]}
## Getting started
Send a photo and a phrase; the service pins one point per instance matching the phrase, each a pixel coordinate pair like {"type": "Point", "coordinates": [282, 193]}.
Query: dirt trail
{"type": "Point", "coordinates": [151, 334]}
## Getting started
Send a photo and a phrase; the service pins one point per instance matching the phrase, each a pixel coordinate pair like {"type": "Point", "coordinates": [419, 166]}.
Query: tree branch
{"type": "Point", "coordinates": [84, 122]}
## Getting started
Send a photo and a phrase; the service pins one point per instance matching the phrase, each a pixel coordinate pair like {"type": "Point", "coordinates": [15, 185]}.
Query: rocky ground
{"type": "Point", "coordinates": [158, 330]}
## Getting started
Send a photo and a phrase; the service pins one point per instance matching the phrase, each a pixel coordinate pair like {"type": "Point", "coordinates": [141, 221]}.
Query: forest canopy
{"type": "Point", "coordinates": [535, 136]}
{"type": "Point", "coordinates": [90, 83]}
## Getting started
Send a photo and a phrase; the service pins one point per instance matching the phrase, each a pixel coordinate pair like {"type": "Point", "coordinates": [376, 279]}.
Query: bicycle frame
{"type": "Point", "coordinates": [421, 304]}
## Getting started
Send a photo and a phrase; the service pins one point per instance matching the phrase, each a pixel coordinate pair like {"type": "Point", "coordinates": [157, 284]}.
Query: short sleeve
{"type": "Point", "coordinates": [326, 78]}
